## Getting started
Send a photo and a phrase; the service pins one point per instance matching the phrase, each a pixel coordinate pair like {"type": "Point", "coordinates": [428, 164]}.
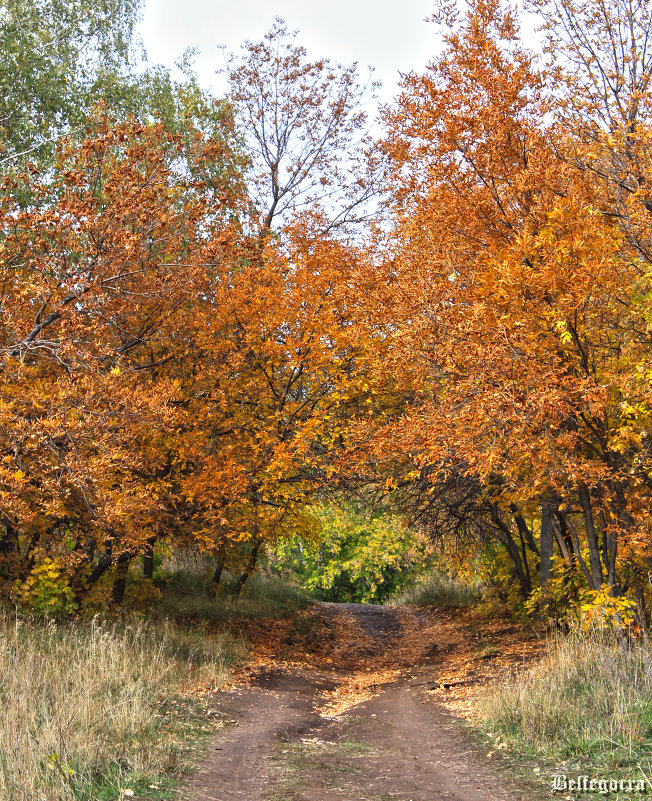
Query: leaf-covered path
{"type": "Point", "coordinates": [361, 722]}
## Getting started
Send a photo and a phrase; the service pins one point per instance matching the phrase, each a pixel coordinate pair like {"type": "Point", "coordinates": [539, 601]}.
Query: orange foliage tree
{"type": "Point", "coordinates": [279, 368]}
{"type": "Point", "coordinates": [99, 279]}
{"type": "Point", "coordinates": [516, 309]}
{"type": "Point", "coordinates": [195, 343]}
{"type": "Point", "coordinates": [176, 363]}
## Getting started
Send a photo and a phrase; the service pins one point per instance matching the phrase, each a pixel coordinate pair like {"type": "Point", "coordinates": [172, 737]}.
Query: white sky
{"type": "Point", "coordinates": [388, 35]}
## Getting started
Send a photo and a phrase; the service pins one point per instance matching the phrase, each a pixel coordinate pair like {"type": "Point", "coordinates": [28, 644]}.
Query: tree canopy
{"type": "Point", "coordinates": [218, 314]}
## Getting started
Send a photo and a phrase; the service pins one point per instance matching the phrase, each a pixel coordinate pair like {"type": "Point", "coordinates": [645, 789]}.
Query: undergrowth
{"type": "Point", "coordinates": [440, 590]}
{"type": "Point", "coordinates": [93, 708]}
{"type": "Point", "coordinates": [191, 596]}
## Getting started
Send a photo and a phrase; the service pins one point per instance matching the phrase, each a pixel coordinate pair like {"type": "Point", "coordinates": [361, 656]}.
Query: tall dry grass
{"type": "Point", "coordinates": [589, 701]}
{"type": "Point", "coordinates": [89, 710]}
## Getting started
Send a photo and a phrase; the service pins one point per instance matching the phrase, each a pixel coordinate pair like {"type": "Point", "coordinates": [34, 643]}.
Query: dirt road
{"type": "Point", "coordinates": [358, 724]}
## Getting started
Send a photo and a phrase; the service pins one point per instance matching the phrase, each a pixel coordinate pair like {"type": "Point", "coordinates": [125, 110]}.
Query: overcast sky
{"type": "Point", "coordinates": [387, 35]}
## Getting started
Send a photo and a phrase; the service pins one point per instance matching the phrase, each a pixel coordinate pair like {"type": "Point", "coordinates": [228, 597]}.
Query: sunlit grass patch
{"type": "Point", "coordinates": [440, 590]}
{"type": "Point", "coordinates": [586, 705]}
{"type": "Point", "coordinates": [191, 596]}
{"type": "Point", "coordinates": [93, 709]}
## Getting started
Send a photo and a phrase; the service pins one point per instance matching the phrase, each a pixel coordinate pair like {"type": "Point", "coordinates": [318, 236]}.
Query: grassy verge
{"type": "Point", "coordinates": [440, 590]}
{"type": "Point", "coordinates": [91, 710]}
{"type": "Point", "coordinates": [585, 709]}
{"type": "Point", "coordinates": [101, 711]}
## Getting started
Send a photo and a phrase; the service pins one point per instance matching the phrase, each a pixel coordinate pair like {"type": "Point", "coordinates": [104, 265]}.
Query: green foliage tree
{"type": "Point", "coordinates": [358, 555]}
{"type": "Point", "coordinates": [60, 57]}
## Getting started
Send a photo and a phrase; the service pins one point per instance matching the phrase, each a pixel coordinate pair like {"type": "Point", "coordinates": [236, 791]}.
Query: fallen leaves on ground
{"type": "Point", "coordinates": [452, 653]}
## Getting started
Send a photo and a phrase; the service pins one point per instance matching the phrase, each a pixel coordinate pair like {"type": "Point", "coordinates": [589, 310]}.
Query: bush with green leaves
{"type": "Point", "coordinates": [360, 555]}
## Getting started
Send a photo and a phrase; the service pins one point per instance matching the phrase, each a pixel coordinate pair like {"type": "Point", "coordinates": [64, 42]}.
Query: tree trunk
{"type": "Point", "coordinates": [148, 559]}
{"type": "Point", "coordinates": [219, 569]}
{"type": "Point", "coordinates": [99, 570]}
{"type": "Point", "coordinates": [641, 607]}
{"type": "Point", "coordinates": [606, 545]}
{"type": "Point", "coordinates": [613, 551]}
{"type": "Point", "coordinates": [251, 564]}
{"type": "Point", "coordinates": [221, 562]}
{"type": "Point", "coordinates": [578, 553]}
{"type": "Point", "coordinates": [505, 536]}
{"type": "Point", "coordinates": [526, 566]}
{"type": "Point", "coordinates": [524, 531]}
{"type": "Point", "coordinates": [563, 538]}
{"type": "Point", "coordinates": [120, 580]}
{"type": "Point", "coordinates": [591, 538]}
{"type": "Point", "coordinates": [546, 543]}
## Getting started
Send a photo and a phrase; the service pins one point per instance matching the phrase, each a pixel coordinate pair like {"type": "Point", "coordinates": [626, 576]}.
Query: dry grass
{"type": "Point", "coordinates": [89, 710]}
{"type": "Point", "coordinates": [587, 702]}
{"type": "Point", "coordinates": [440, 590]}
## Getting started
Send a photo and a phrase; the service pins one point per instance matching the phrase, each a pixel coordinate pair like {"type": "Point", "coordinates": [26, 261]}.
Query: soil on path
{"type": "Point", "coordinates": [360, 718]}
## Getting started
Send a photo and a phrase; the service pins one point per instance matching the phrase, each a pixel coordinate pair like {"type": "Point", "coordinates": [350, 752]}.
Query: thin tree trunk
{"type": "Point", "coordinates": [221, 562]}
{"type": "Point", "coordinates": [591, 538]}
{"type": "Point", "coordinates": [505, 536]}
{"type": "Point", "coordinates": [562, 537]}
{"type": "Point", "coordinates": [524, 531]}
{"type": "Point", "coordinates": [613, 551]}
{"type": "Point", "coordinates": [251, 564]}
{"type": "Point", "coordinates": [546, 543]}
{"type": "Point", "coordinates": [99, 570]}
{"type": "Point", "coordinates": [526, 566]}
{"type": "Point", "coordinates": [148, 559]}
{"type": "Point", "coordinates": [641, 607]}
{"type": "Point", "coordinates": [606, 546]}
{"type": "Point", "coordinates": [578, 553]}
{"type": "Point", "coordinates": [120, 580]}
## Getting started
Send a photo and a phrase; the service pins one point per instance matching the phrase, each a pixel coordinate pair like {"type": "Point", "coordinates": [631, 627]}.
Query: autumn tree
{"type": "Point", "coordinates": [64, 60]}
{"type": "Point", "coordinates": [272, 382]}
{"type": "Point", "coordinates": [100, 278]}
{"type": "Point", "coordinates": [198, 341]}
{"type": "Point", "coordinates": [515, 300]}
{"type": "Point", "coordinates": [198, 357]}
{"type": "Point", "coordinates": [59, 59]}
{"type": "Point", "coordinates": [276, 372]}
{"type": "Point", "coordinates": [304, 126]}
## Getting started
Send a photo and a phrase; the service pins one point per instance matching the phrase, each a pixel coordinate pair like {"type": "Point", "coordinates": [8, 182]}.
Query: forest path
{"type": "Point", "coordinates": [361, 720]}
